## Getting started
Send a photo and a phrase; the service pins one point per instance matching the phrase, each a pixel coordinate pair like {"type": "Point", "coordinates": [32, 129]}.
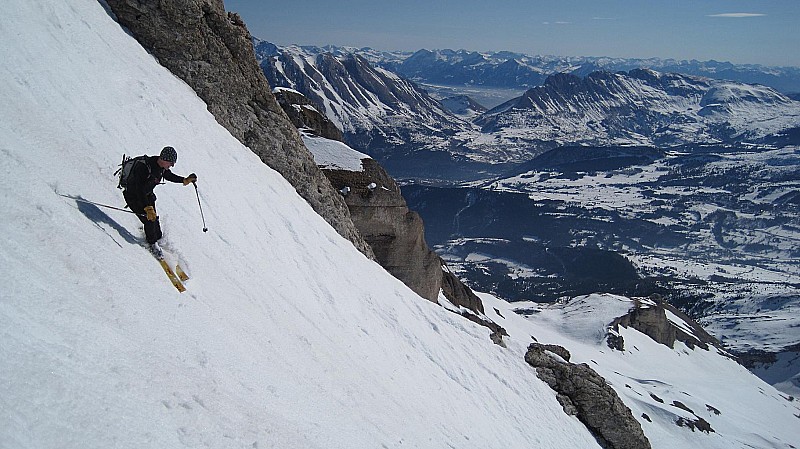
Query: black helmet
{"type": "Point", "coordinates": [169, 154]}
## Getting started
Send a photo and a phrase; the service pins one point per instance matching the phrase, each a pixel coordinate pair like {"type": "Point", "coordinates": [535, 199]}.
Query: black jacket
{"type": "Point", "coordinates": [143, 179]}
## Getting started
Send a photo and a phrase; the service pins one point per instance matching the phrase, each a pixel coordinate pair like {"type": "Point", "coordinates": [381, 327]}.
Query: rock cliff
{"type": "Point", "coordinates": [379, 211]}
{"type": "Point", "coordinates": [212, 51]}
{"type": "Point", "coordinates": [397, 236]}
{"type": "Point", "coordinates": [584, 393]}
{"type": "Point", "coordinates": [650, 317]}
{"type": "Point", "coordinates": [303, 113]}
{"type": "Point", "coordinates": [395, 233]}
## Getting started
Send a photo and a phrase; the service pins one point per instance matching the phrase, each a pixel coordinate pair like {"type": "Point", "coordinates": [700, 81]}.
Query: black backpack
{"type": "Point", "coordinates": [126, 167]}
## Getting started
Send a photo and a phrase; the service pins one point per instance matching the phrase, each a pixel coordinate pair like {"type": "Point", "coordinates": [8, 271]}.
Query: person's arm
{"type": "Point", "coordinates": [172, 177]}
{"type": "Point", "coordinates": [169, 176]}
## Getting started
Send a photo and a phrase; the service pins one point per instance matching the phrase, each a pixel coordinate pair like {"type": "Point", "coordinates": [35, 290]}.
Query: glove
{"type": "Point", "coordinates": [189, 179]}
{"type": "Point", "coordinates": [151, 213]}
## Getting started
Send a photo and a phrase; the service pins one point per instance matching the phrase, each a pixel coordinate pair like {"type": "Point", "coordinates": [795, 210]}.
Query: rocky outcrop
{"type": "Point", "coordinates": [470, 306]}
{"type": "Point", "coordinates": [584, 393]}
{"type": "Point", "coordinates": [378, 209]}
{"type": "Point", "coordinates": [395, 233]}
{"type": "Point", "coordinates": [650, 318]}
{"type": "Point", "coordinates": [459, 294]}
{"type": "Point", "coordinates": [397, 237]}
{"type": "Point", "coordinates": [303, 113]}
{"type": "Point", "coordinates": [212, 51]}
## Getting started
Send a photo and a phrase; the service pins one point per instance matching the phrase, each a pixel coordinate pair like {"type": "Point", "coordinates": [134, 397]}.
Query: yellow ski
{"type": "Point", "coordinates": [181, 274]}
{"type": "Point", "coordinates": [171, 275]}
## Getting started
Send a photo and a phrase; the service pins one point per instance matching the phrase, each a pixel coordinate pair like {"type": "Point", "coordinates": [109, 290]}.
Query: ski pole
{"type": "Point", "coordinates": [205, 229]}
{"type": "Point", "coordinates": [81, 200]}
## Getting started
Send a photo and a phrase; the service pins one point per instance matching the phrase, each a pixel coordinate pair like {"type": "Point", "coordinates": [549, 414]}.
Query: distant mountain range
{"type": "Point", "coordinates": [508, 69]}
{"type": "Point", "coordinates": [392, 118]}
{"type": "Point", "coordinates": [512, 70]}
{"type": "Point", "coordinates": [381, 113]}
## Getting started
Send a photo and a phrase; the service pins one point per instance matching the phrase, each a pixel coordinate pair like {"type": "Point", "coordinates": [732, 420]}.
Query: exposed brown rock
{"type": "Point", "coordinates": [652, 321]}
{"type": "Point", "coordinates": [395, 233]}
{"type": "Point", "coordinates": [459, 294]}
{"type": "Point", "coordinates": [584, 393]}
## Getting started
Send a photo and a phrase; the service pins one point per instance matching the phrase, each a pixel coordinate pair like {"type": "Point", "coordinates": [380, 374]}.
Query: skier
{"type": "Point", "coordinates": [144, 176]}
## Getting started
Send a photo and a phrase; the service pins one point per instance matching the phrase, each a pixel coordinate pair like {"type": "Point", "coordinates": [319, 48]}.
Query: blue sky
{"type": "Point", "coordinates": [740, 31]}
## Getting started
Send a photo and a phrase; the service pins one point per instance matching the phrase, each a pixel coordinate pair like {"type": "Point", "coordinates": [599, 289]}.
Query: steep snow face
{"type": "Point", "coordinates": [286, 337]}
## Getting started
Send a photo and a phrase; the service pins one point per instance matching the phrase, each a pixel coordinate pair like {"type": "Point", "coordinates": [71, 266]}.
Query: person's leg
{"type": "Point", "coordinates": [152, 229]}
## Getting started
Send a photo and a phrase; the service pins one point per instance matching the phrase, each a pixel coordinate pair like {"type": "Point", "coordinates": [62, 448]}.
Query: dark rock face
{"type": "Point", "coordinates": [459, 294]}
{"type": "Point", "coordinates": [304, 114]}
{"type": "Point", "coordinates": [584, 393]}
{"type": "Point", "coordinates": [212, 51]}
{"type": "Point", "coordinates": [652, 321]}
{"type": "Point", "coordinates": [699, 424]}
{"type": "Point", "coordinates": [471, 306]}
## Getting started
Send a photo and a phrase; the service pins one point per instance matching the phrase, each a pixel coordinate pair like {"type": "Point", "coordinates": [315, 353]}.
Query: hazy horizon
{"type": "Point", "coordinates": [739, 31]}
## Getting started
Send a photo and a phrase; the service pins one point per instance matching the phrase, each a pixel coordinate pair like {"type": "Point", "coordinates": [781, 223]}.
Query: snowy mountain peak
{"type": "Point", "coordinates": [642, 107]}
{"type": "Point", "coordinates": [378, 111]}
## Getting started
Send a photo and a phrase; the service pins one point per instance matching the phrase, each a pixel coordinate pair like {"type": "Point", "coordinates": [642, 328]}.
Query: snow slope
{"type": "Point", "coordinates": [667, 385]}
{"type": "Point", "coordinates": [287, 337]}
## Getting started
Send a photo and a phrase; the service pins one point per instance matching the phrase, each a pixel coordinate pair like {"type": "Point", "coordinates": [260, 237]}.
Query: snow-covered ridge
{"type": "Point", "coordinates": [509, 69]}
{"type": "Point", "coordinates": [387, 116]}
{"type": "Point", "coordinates": [642, 107]}
{"type": "Point", "coordinates": [354, 94]}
